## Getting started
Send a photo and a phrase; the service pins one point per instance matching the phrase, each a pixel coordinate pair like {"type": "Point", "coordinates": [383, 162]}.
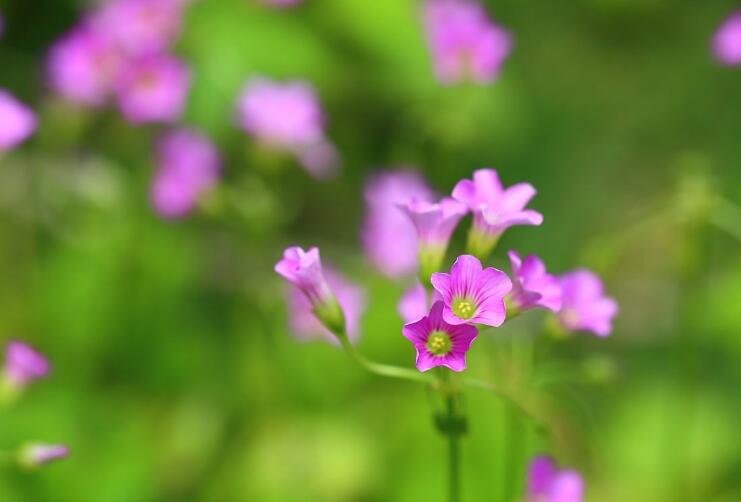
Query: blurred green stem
{"type": "Point", "coordinates": [454, 463]}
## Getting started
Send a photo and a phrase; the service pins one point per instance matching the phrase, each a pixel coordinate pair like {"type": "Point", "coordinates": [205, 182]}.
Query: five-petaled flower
{"type": "Point", "coordinates": [585, 306]}
{"type": "Point", "coordinates": [473, 294]}
{"type": "Point", "coordinates": [494, 208]}
{"type": "Point", "coordinates": [547, 484]}
{"type": "Point", "coordinates": [438, 342]}
{"type": "Point", "coordinates": [532, 286]}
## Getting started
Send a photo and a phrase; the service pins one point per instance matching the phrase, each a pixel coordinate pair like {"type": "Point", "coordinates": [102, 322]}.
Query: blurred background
{"type": "Point", "coordinates": [175, 375]}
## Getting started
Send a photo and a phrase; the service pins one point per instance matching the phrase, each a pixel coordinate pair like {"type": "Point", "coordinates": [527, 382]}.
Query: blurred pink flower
{"type": "Point", "coordinates": [153, 89]}
{"type": "Point", "coordinates": [726, 42]}
{"type": "Point", "coordinates": [23, 364]}
{"type": "Point", "coordinates": [465, 44]}
{"type": "Point", "coordinates": [38, 454]}
{"type": "Point", "coordinates": [83, 65]}
{"type": "Point", "coordinates": [188, 164]}
{"type": "Point", "coordinates": [17, 121]}
{"type": "Point", "coordinates": [415, 302]}
{"type": "Point", "coordinates": [389, 237]}
{"type": "Point", "coordinates": [288, 116]}
{"type": "Point", "coordinates": [547, 484]}
{"type": "Point", "coordinates": [532, 286]}
{"type": "Point", "coordinates": [283, 3]}
{"type": "Point", "coordinates": [585, 306]}
{"type": "Point", "coordinates": [140, 26]}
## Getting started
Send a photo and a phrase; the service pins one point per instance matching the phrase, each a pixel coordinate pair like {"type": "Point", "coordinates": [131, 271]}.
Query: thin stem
{"type": "Point", "coordinates": [454, 453]}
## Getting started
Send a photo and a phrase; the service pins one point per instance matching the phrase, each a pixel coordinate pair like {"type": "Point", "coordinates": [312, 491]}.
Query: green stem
{"type": "Point", "coordinates": [454, 453]}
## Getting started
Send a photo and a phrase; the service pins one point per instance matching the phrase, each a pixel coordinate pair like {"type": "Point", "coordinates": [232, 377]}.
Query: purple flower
{"type": "Point", "coordinates": [140, 26]}
{"type": "Point", "coordinates": [532, 286]}
{"type": "Point", "coordinates": [547, 484]}
{"type": "Point", "coordinates": [389, 238]}
{"type": "Point", "coordinates": [434, 224]}
{"type": "Point", "coordinates": [473, 294]}
{"type": "Point", "coordinates": [303, 269]}
{"type": "Point", "coordinates": [188, 165]}
{"type": "Point", "coordinates": [38, 454]}
{"type": "Point", "coordinates": [83, 65]}
{"type": "Point", "coordinates": [726, 42]}
{"type": "Point", "coordinates": [288, 116]}
{"type": "Point", "coordinates": [439, 343]}
{"type": "Point", "coordinates": [153, 89]}
{"type": "Point", "coordinates": [465, 44]}
{"type": "Point", "coordinates": [23, 364]}
{"type": "Point", "coordinates": [17, 121]}
{"type": "Point", "coordinates": [303, 322]}
{"type": "Point", "coordinates": [414, 303]}
{"type": "Point", "coordinates": [494, 208]}
{"type": "Point", "coordinates": [585, 307]}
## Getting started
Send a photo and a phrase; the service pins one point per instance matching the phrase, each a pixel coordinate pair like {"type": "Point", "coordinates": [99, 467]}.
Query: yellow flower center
{"type": "Point", "coordinates": [463, 308]}
{"type": "Point", "coordinates": [439, 343]}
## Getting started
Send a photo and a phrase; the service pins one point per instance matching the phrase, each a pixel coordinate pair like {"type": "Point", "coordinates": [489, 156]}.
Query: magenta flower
{"type": "Point", "coordinates": [465, 44]}
{"type": "Point", "coordinates": [23, 364]}
{"type": "Point", "coordinates": [494, 208]}
{"type": "Point", "coordinates": [434, 224]}
{"type": "Point", "coordinates": [17, 121]}
{"type": "Point", "coordinates": [83, 65]}
{"type": "Point", "coordinates": [303, 322]}
{"type": "Point", "coordinates": [439, 343]}
{"type": "Point", "coordinates": [188, 165]}
{"type": "Point", "coordinates": [547, 484]}
{"type": "Point", "coordinates": [473, 294]}
{"type": "Point", "coordinates": [141, 26]}
{"type": "Point", "coordinates": [388, 235]}
{"type": "Point", "coordinates": [532, 286]}
{"type": "Point", "coordinates": [303, 269]}
{"type": "Point", "coordinates": [416, 302]}
{"type": "Point", "coordinates": [288, 116]}
{"type": "Point", "coordinates": [38, 454]}
{"type": "Point", "coordinates": [585, 307]}
{"type": "Point", "coordinates": [726, 42]}
{"type": "Point", "coordinates": [153, 89]}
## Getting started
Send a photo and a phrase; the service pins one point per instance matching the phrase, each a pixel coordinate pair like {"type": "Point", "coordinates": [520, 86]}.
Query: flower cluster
{"type": "Point", "coordinates": [23, 366]}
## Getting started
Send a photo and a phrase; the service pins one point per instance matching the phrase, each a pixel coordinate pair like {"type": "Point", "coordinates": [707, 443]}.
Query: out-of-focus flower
{"type": "Point", "coordinates": [434, 224]}
{"type": "Point", "coordinates": [585, 306]}
{"type": "Point", "coordinates": [389, 238]}
{"type": "Point", "coordinates": [494, 208]}
{"type": "Point", "coordinates": [303, 269]}
{"type": "Point", "coordinates": [188, 165]}
{"type": "Point", "coordinates": [547, 484]}
{"type": "Point", "coordinates": [726, 42]}
{"type": "Point", "coordinates": [153, 89]}
{"type": "Point", "coordinates": [83, 65]}
{"type": "Point", "coordinates": [23, 364]}
{"type": "Point", "coordinates": [140, 26]}
{"type": "Point", "coordinates": [288, 116]}
{"type": "Point", "coordinates": [439, 343]}
{"type": "Point", "coordinates": [35, 455]}
{"type": "Point", "coordinates": [17, 121]}
{"type": "Point", "coordinates": [532, 286]}
{"type": "Point", "coordinates": [465, 44]}
{"type": "Point", "coordinates": [303, 322]}
{"type": "Point", "coordinates": [471, 293]}
{"type": "Point", "coordinates": [283, 3]}
{"type": "Point", "coordinates": [416, 302]}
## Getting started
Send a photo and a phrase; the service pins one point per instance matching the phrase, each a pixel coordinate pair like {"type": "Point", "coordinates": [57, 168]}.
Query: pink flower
{"type": "Point", "coordinates": [23, 364]}
{"type": "Point", "coordinates": [303, 269]}
{"type": "Point", "coordinates": [465, 44]}
{"type": "Point", "coordinates": [414, 303]}
{"type": "Point", "coordinates": [38, 454]}
{"type": "Point", "coordinates": [17, 121]}
{"type": "Point", "coordinates": [188, 165]}
{"type": "Point", "coordinates": [304, 323]}
{"type": "Point", "coordinates": [288, 116]}
{"type": "Point", "coordinates": [153, 89]}
{"type": "Point", "coordinates": [547, 484]}
{"type": "Point", "coordinates": [439, 343]}
{"type": "Point", "coordinates": [141, 26]}
{"type": "Point", "coordinates": [585, 307]}
{"type": "Point", "coordinates": [726, 42]}
{"type": "Point", "coordinates": [494, 208]}
{"type": "Point", "coordinates": [83, 65]}
{"type": "Point", "coordinates": [389, 238]}
{"type": "Point", "coordinates": [532, 286]}
{"type": "Point", "coordinates": [473, 294]}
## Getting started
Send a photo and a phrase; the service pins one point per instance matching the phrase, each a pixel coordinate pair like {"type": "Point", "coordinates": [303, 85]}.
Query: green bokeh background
{"type": "Point", "coordinates": [175, 377]}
